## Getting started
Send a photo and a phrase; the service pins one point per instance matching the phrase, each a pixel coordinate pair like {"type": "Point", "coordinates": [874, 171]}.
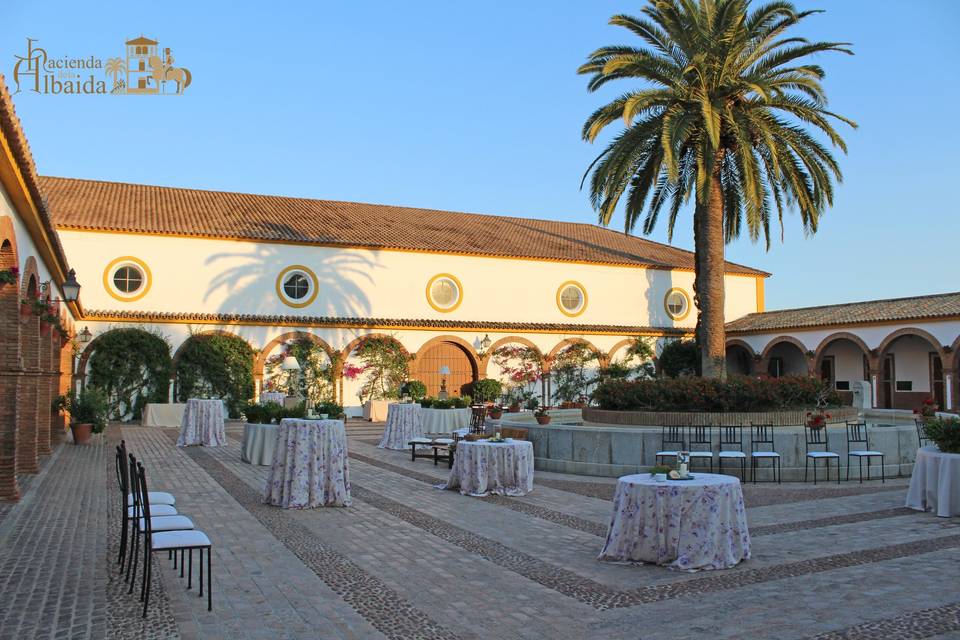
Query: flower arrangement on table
{"type": "Point", "coordinates": [928, 408]}
{"type": "Point", "coordinates": [818, 419]}
{"type": "Point", "coordinates": [660, 468]}
{"type": "Point", "coordinates": [945, 433]}
{"type": "Point", "coordinates": [9, 276]}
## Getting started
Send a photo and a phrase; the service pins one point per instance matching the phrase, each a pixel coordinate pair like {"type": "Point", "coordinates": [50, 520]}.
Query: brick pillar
{"type": "Point", "coordinates": [43, 390]}
{"type": "Point", "coordinates": [62, 361]}
{"type": "Point", "coordinates": [9, 385]}
{"type": "Point", "coordinates": [27, 409]}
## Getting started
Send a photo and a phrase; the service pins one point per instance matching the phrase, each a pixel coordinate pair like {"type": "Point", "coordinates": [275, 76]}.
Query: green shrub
{"type": "Point", "coordinates": [462, 402]}
{"type": "Point", "coordinates": [532, 404]}
{"type": "Point", "coordinates": [332, 409]}
{"type": "Point", "coordinates": [297, 411]}
{"type": "Point", "coordinates": [416, 389]}
{"type": "Point", "coordinates": [426, 402]}
{"type": "Point", "coordinates": [132, 366]}
{"type": "Point", "coordinates": [262, 413]}
{"type": "Point", "coordinates": [736, 393]}
{"type": "Point", "coordinates": [679, 358]}
{"type": "Point", "coordinates": [440, 403]}
{"type": "Point", "coordinates": [216, 366]}
{"type": "Point", "coordinates": [90, 406]}
{"type": "Point", "coordinates": [945, 432]}
{"type": "Point", "coordinates": [487, 390]}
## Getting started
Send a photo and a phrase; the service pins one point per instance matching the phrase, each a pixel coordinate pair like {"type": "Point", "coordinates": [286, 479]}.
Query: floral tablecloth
{"type": "Point", "coordinates": [404, 422]}
{"type": "Point", "coordinates": [445, 420]}
{"type": "Point", "coordinates": [502, 468]}
{"type": "Point", "coordinates": [688, 524]}
{"type": "Point", "coordinates": [272, 396]}
{"type": "Point", "coordinates": [202, 424]}
{"type": "Point", "coordinates": [309, 466]}
{"type": "Point", "coordinates": [935, 483]}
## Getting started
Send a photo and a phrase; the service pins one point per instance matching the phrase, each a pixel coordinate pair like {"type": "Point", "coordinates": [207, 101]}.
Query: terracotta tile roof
{"type": "Point", "coordinates": [12, 132]}
{"type": "Point", "coordinates": [942, 305]}
{"type": "Point", "coordinates": [373, 323]}
{"type": "Point", "coordinates": [114, 206]}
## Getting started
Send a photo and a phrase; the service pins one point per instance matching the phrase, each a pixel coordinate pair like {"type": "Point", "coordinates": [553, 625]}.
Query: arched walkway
{"type": "Point", "coordinates": [452, 352]}
{"type": "Point", "coordinates": [843, 358]}
{"type": "Point", "coordinates": [784, 355]}
{"type": "Point", "coordinates": [740, 357]}
{"type": "Point", "coordinates": [560, 346]}
{"type": "Point", "coordinates": [264, 353]}
{"type": "Point", "coordinates": [910, 369]}
{"type": "Point", "coordinates": [485, 361]}
{"type": "Point", "coordinates": [11, 379]}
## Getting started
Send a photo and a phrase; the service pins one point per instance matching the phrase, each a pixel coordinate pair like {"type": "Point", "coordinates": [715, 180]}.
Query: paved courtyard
{"type": "Point", "coordinates": [409, 561]}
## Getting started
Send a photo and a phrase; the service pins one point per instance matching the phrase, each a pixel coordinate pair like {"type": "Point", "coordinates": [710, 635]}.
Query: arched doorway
{"type": "Point", "coordinates": [446, 353]}
{"type": "Point", "coordinates": [739, 358]}
{"type": "Point", "coordinates": [785, 356]}
{"type": "Point", "coordinates": [843, 359]}
{"type": "Point", "coordinates": [911, 369]}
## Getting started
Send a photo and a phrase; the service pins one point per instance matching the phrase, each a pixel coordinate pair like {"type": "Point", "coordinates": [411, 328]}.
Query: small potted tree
{"type": "Point", "coordinates": [540, 413]}
{"type": "Point", "coordinates": [88, 413]}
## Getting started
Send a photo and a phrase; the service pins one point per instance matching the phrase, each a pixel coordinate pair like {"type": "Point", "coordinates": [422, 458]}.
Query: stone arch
{"type": "Point", "coordinates": [912, 331]}
{"type": "Point", "coordinates": [601, 356]}
{"type": "Point", "coordinates": [485, 360]}
{"type": "Point", "coordinates": [8, 243]}
{"type": "Point", "coordinates": [740, 356]}
{"type": "Point", "coordinates": [353, 344]}
{"type": "Point", "coordinates": [429, 377]}
{"type": "Point", "coordinates": [781, 339]}
{"type": "Point", "coordinates": [737, 342]}
{"type": "Point", "coordinates": [842, 335]}
{"type": "Point", "coordinates": [30, 278]}
{"type": "Point", "coordinates": [222, 332]}
{"type": "Point", "coordinates": [264, 353]}
{"type": "Point", "coordinates": [626, 342]}
{"type": "Point", "coordinates": [887, 394]}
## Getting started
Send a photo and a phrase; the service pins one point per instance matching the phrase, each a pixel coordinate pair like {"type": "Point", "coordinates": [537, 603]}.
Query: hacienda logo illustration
{"type": "Point", "coordinates": [143, 71]}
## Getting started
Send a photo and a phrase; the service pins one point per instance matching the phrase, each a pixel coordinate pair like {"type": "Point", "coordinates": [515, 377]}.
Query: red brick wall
{"type": "Point", "coordinates": [9, 383]}
{"type": "Point", "coordinates": [27, 406]}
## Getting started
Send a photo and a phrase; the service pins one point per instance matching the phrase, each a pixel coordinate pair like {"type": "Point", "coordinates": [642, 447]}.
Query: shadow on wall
{"type": "Point", "coordinates": [250, 285]}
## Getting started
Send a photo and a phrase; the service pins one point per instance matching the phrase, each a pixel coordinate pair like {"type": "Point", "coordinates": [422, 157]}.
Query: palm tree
{"type": "Point", "coordinates": [114, 67]}
{"type": "Point", "coordinates": [723, 118]}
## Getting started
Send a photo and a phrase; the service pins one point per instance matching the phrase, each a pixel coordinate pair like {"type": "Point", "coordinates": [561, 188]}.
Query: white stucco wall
{"type": "Point", "coordinates": [219, 276]}
{"type": "Point", "coordinates": [847, 360]}
{"type": "Point", "coordinates": [912, 361]}
{"type": "Point", "coordinates": [25, 244]}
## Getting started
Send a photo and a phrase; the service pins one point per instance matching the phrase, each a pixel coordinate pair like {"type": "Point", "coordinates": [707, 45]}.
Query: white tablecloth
{"type": "Point", "coordinates": [259, 443]}
{"type": "Point", "coordinates": [686, 524]}
{"type": "Point", "coordinates": [202, 424]}
{"type": "Point", "coordinates": [504, 469]}
{"type": "Point", "coordinates": [935, 484]}
{"type": "Point", "coordinates": [163, 415]}
{"type": "Point", "coordinates": [375, 410]}
{"type": "Point", "coordinates": [445, 420]}
{"type": "Point", "coordinates": [272, 396]}
{"type": "Point", "coordinates": [404, 422]}
{"type": "Point", "coordinates": [309, 467]}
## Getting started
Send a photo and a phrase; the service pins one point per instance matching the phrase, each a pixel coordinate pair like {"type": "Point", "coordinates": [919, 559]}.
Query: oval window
{"type": "Point", "coordinates": [571, 298]}
{"type": "Point", "coordinates": [297, 286]}
{"type": "Point", "coordinates": [127, 278]}
{"type": "Point", "coordinates": [677, 304]}
{"type": "Point", "coordinates": [444, 293]}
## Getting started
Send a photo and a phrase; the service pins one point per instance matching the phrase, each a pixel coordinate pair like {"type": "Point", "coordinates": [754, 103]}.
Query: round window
{"type": "Point", "coordinates": [127, 278]}
{"type": "Point", "coordinates": [444, 292]}
{"type": "Point", "coordinates": [571, 298]}
{"type": "Point", "coordinates": [297, 286]}
{"type": "Point", "coordinates": [677, 304]}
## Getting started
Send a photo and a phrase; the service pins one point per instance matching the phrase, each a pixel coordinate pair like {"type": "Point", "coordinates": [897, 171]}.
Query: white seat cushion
{"type": "Point", "coordinates": [156, 510]}
{"type": "Point", "coordinates": [732, 454]}
{"type": "Point", "coordinates": [443, 441]}
{"type": "Point", "coordinates": [666, 453]}
{"type": "Point", "coordinates": [866, 453]}
{"type": "Point", "coordinates": [420, 441]}
{"type": "Point", "coordinates": [822, 454]}
{"type": "Point", "coordinates": [701, 454]}
{"type": "Point", "coordinates": [178, 539]}
{"type": "Point", "coordinates": [167, 523]}
{"type": "Point", "coordinates": [765, 454]}
{"type": "Point", "coordinates": [156, 497]}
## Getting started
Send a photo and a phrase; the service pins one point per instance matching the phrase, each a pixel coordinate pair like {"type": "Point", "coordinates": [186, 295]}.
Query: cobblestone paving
{"type": "Point", "coordinates": [409, 561]}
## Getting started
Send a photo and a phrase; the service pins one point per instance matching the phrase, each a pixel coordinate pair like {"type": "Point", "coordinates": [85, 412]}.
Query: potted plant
{"type": "Point", "coordinates": [945, 433]}
{"type": "Point", "coordinates": [817, 420]}
{"type": "Point", "coordinates": [927, 409]}
{"type": "Point", "coordinates": [487, 390]}
{"type": "Point", "coordinates": [88, 413]}
{"type": "Point", "coordinates": [540, 413]}
{"type": "Point", "coordinates": [495, 411]}
{"type": "Point", "coordinates": [659, 472]}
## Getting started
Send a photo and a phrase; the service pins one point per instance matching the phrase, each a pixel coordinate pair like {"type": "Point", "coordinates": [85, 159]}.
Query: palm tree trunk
{"type": "Point", "coordinates": [709, 285]}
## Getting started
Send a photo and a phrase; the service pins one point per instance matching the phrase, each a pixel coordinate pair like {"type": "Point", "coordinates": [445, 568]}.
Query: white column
{"type": "Point", "coordinates": [170, 392]}
{"type": "Point", "coordinates": [948, 388]}
{"type": "Point", "coordinates": [873, 391]}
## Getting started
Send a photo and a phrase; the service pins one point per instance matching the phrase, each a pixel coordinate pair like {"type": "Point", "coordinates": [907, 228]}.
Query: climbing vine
{"type": "Point", "coordinates": [314, 380]}
{"type": "Point", "coordinates": [385, 367]}
{"type": "Point", "coordinates": [132, 366]}
{"type": "Point", "coordinates": [216, 366]}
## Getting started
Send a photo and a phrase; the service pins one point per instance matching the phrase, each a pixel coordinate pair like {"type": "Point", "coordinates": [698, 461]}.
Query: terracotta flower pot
{"type": "Point", "coordinates": [496, 414]}
{"type": "Point", "coordinates": [543, 419]}
{"type": "Point", "coordinates": [82, 431]}
{"type": "Point", "coordinates": [514, 408]}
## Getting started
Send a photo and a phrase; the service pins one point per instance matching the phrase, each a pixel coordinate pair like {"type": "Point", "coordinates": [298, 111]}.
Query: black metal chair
{"type": "Point", "coordinates": [856, 435]}
{"type": "Point", "coordinates": [921, 432]}
{"type": "Point", "coordinates": [698, 437]}
{"type": "Point", "coordinates": [762, 436]}
{"type": "Point", "coordinates": [670, 436]}
{"type": "Point", "coordinates": [170, 541]}
{"type": "Point", "coordinates": [164, 502]}
{"type": "Point", "coordinates": [817, 438]}
{"type": "Point", "coordinates": [732, 436]}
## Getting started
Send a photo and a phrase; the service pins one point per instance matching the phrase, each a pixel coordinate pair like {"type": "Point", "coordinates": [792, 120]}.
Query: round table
{"type": "Point", "coordinates": [501, 468]}
{"type": "Point", "coordinates": [272, 396]}
{"type": "Point", "coordinates": [259, 443]}
{"type": "Point", "coordinates": [935, 483]}
{"type": "Point", "coordinates": [404, 422]}
{"type": "Point", "coordinates": [309, 467]}
{"type": "Point", "coordinates": [445, 420]}
{"type": "Point", "coordinates": [202, 424]}
{"type": "Point", "coordinates": [685, 524]}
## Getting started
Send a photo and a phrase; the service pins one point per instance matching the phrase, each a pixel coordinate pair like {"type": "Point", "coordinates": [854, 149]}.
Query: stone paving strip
{"type": "Point", "coordinates": [51, 548]}
{"type": "Point", "coordinates": [927, 623]}
{"type": "Point", "coordinates": [383, 607]}
{"type": "Point", "coordinates": [597, 529]}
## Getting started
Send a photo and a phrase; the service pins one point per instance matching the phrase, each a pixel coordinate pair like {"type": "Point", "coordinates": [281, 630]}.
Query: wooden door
{"type": "Point", "coordinates": [936, 380]}
{"type": "Point", "coordinates": [888, 376]}
{"type": "Point", "coordinates": [463, 371]}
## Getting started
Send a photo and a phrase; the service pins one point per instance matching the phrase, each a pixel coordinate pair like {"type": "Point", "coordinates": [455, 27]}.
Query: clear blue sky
{"type": "Point", "coordinates": [477, 107]}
